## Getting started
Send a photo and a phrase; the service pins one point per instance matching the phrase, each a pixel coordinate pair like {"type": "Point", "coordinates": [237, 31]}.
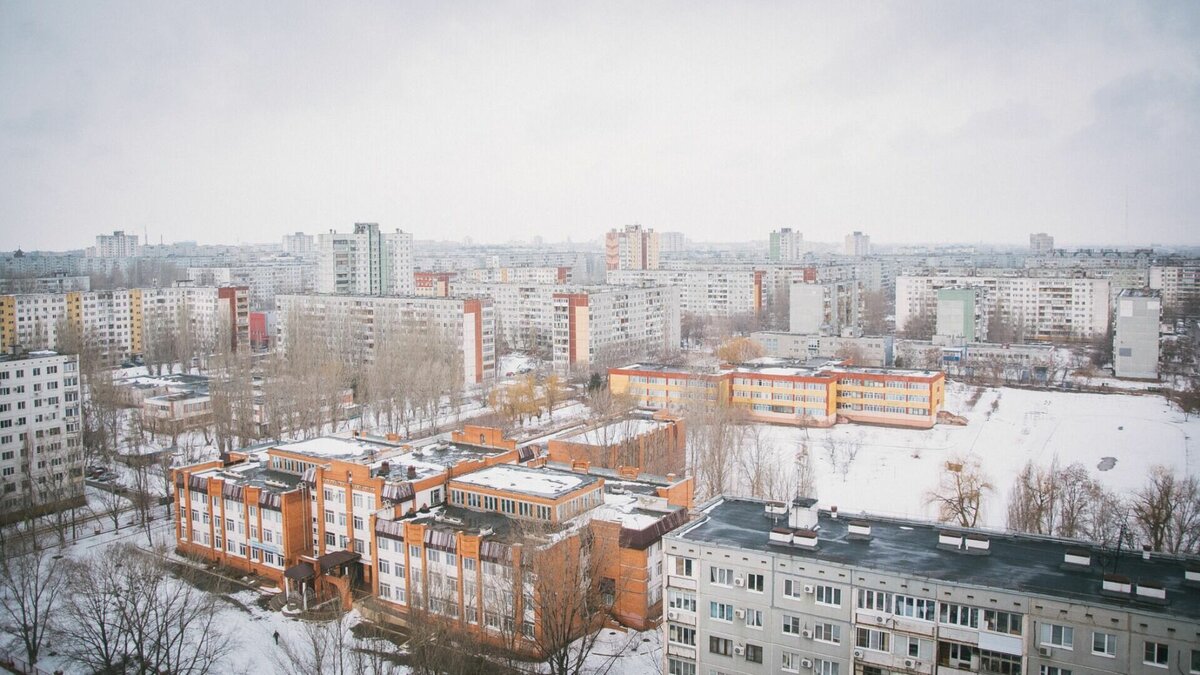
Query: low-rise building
{"type": "Point", "coordinates": [653, 442]}
{"type": "Point", "coordinates": [876, 351]}
{"type": "Point", "coordinates": [1135, 341]}
{"type": "Point", "coordinates": [769, 587]}
{"type": "Point", "coordinates": [786, 392]}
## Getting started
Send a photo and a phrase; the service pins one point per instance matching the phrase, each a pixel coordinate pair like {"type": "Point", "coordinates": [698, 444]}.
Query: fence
{"type": "Point", "coordinates": [18, 663]}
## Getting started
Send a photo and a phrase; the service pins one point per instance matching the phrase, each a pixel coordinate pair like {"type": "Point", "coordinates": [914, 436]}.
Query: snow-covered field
{"type": "Point", "coordinates": [895, 468]}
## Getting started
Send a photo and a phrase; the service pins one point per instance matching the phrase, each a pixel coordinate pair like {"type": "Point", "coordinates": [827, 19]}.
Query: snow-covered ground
{"type": "Point", "coordinates": [895, 468]}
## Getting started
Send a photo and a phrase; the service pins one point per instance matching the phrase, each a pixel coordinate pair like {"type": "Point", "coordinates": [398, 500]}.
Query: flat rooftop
{"type": "Point", "coordinates": [1020, 563]}
{"type": "Point", "coordinates": [615, 432]}
{"type": "Point", "coordinates": [346, 449]}
{"type": "Point", "coordinates": [253, 474]}
{"type": "Point", "coordinates": [1140, 293]}
{"type": "Point", "coordinates": [548, 483]}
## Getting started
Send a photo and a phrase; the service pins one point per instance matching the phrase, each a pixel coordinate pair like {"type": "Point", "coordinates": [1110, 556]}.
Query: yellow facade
{"type": "Point", "coordinates": [135, 324]}
{"type": "Point", "coordinates": [8, 322]}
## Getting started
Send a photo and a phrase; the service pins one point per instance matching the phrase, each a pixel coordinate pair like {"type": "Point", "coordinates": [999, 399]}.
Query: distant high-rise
{"type": "Point", "coordinates": [367, 262]}
{"type": "Point", "coordinates": [786, 245]}
{"type": "Point", "coordinates": [1041, 243]}
{"type": "Point", "coordinates": [115, 245]}
{"type": "Point", "coordinates": [672, 241]}
{"type": "Point", "coordinates": [633, 248]}
{"type": "Point", "coordinates": [857, 244]}
{"type": "Point", "coordinates": [298, 244]}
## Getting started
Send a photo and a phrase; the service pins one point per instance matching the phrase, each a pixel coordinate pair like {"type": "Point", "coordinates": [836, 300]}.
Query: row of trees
{"type": "Point", "coordinates": [1068, 502]}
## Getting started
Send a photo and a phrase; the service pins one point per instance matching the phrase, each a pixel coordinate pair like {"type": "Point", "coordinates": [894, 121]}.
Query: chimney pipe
{"type": "Point", "coordinates": [1145, 551]}
{"type": "Point", "coordinates": [833, 512]}
{"type": "Point", "coordinates": [412, 472]}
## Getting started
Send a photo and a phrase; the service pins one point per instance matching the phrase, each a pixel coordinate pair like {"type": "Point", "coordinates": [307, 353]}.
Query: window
{"type": "Point", "coordinates": [681, 600]}
{"type": "Point", "coordinates": [792, 588]}
{"type": "Point", "coordinates": [677, 667]}
{"type": "Point", "coordinates": [683, 635]}
{"type": "Point", "coordinates": [329, 517]}
{"type": "Point", "coordinates": [828, 632]}
{"type": "Point", "coordinates": [722, 576]}
{"type": "Point", "coordinates": [1155, 654]}
{"type": "Point", "coordinates": [791, 662]}
{"type": "Point", "coordinates": [720, 611]}
{"type": "Point", "coordinates": [829, 595]}
{"type": "Point", "coordinates": [754, 618]}
{"type": "Point", "coordinates": [878, 601]}
{"type": "Point", "coordinates": [959, 615]}
{"type": "Point", "coordinates": [755, 582]}
{"type": "Point", "coordinates": [1057, 636]}
{"type": "Point", "coordinates": [385, 567]}
{"type": "Point", "coordinates": [754, 653]}
{"type": "Point", "coordinates": [684, 567]}
{"type": "Point", "coordinates": [1195, 661]}
{"type": "Point", "coordinates": [791, 625]}
{"type": "Point", "coordinates": [1054, 670]}
{"type": "Point", "coordinates": [876, 640]}
{"type": "Point", "coordinates": [720, 645]}
{"type": "Point", "coordinates": [1002, 622]}
{"type": "Point", "coordinates": [996, 662]}
{"type": "Point", "coordinates": [916, 608]}
{"type": "Point", "coordinates": [822, 667]}
{"type": "Point", "coordinates": [1104, 644]}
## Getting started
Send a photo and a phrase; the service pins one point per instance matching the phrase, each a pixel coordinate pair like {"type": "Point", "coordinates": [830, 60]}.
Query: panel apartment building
{"type": "Point", "coordinates": [450, 532]}
{"type": "Point", "coordinates": [633, 248]}
{"type": "Point", "coordinates": [1178, 283]}
{"type": "Point", "coordinates": [578, 326]}
{"type": "Point", "coordinates": [365, 262]}
{"type": "Point", "coordinates": [41, 450]}
{"type": "Point", "coordinates": [264, 278]}
{"type": "Point", "coordinates": [118, 322]}
{"type": "Point", "coordinates": [782, 392]}
{"type": "Point", "coordinates": [1044, 308]}
{"type": "Point", "coordinates": [351, 324]}
{"type": "Point", "coordinates": [761, 587]}
{"type": "Point", "coordinates": [705, 292]}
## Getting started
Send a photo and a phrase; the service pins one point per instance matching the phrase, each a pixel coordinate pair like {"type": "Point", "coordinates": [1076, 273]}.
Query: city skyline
{"type": "Point", "coordinates": [935, 123]}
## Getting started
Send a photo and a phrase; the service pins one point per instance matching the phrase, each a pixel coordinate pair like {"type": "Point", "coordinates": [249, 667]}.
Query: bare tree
{"type": "Point", "coordinates": [960, 491]}
{"type": "Point", "coordinates": [757, 461]}
{"type": "Point", "coordinates": [1167, 511]}
{"type": "Point", "coordinates": [95, 629]}
{"type": "Point", "coordinates": [31, 585]}
{"type": "Point", "coordinates": [715, 435]}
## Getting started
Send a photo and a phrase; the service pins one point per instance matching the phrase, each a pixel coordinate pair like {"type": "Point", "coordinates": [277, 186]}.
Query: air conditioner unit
{"type": "Point", "coordinates": [858, 653]}
{"type": "Point", "coordinates": [739, 650]}
{"type": "Point", "coordinates": [1044, 651]}
{"type": "Point", "coordinates": [809, 588]}
{"type": "Point", "coordinates": [909, 663]}
{"type": "Point", "coordinates": [806, 634]}
{"type": "Point", "coordinates": [672, 615]}
{"type": "Point", "coordinates": [879, 619]}
{"type": "Point", "coordinates": [739, 582]}
{"type": "Point", "coordinates": [806, 663]}
{"type": "Point", "coordinates": [739, 613]}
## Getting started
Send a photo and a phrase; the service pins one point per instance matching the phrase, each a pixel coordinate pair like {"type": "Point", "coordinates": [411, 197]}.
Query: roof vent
{"type": "Point", "coordinates": [805, 538]}
{"type": "Point", "coordinates": [1191, 575]}
{"type": "Point", "coordinates": [859, 529]}
{"type": "Point", "coordinates": [802, 515]}
{"type": "Point", "coordinates": [774, 509]}
{"type": "Point", "coordinates": [1151, 591]}
{"type": "Point", "coordinates": [978, 544]}
{"type": "Point", "coordinates": [1115, 584]}
{"type": "Point", "coordinates": [949, 541]}
{"type": "Point", "coordinates": [1077, 558]}
{"type": "Point", "coordinates": [781, 535]}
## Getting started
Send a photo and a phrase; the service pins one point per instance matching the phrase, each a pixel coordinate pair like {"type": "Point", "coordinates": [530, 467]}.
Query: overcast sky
{"type": "Point", "coordinates": [955, 121]}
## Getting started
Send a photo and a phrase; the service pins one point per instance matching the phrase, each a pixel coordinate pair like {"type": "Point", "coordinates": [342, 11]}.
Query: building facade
{"type": "Point", "coordinates": [298, 244]}
{"type": "Point", "coordinates": [353, 324]}
{"type": "Point", "coordinates": [633, 248]}
{"type": "Point", "coordinates": [264, 278]}
{"type": "Point", "coordinates": [1135, 340]}
{"type": "Point", "coordinates": [875, 351]}
{"type": "Point", "coordinates": [365, 262]}
{"type": "Point", "coordinates": [857, 244]}
{"type": "Point", "coordinates": [786, 245]}
{"type": "Point", "coordinates": [115, 245]}
{"type": "Point", "coordinates": [762, 587]}
{"type": "Point", "coordinates": [1041, 243]}
{"type": "Point", "coordinates": [829, 307]}
{"type": "Point", "coordinates": [1179, 285]}
{"type": "Point", "coordinates": [704, 292]}
{"type": "Point", "coordinates": [41, 449]}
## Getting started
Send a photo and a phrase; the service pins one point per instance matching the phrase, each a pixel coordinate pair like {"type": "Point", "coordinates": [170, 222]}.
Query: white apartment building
{"type": "Point", "coordinates": [576, 325]}
{"type": "Point", "coordinates": [298, 244]}
{"type": "Point", "coordinates": [119, 322]}
{"type": "Point", "coordinates": [58, 283]}
{"type": "Point", "coordinates": [265, 279]}
{"type": "Point", "coordinates": [872, 351]}
{"type": "Point", "coordinates": [1040, 308]}
{"type": "Point", "coordinates": [857, 244]}
{"type": "Point", "coordinates": [352, 323]}
{"type": "Point", "coordinates": [770, 587]}
{"type": "Point", "coordinates": [115, 245]}
{"type": "Point", "coordinates": [1041, 243]}
{"type": "Point", "coordinates": [786, 245]}
{"type": "Point", "coordinates": [720, 291]}
{"type": "Point", "coordinates": [634, 248]}
{"type": "Point", "coordinates": [520, 275]}
{"type": "Point", "coordinates": [366, 262]}
{"type": "Point", "coordinates": [1135, 338]}
{"type": "Point", "coordinates": [1179, 284]}
{"type": "Point", "coordinates": [828, 308]}
{"type": "Point", "coordinates": [41, 452]}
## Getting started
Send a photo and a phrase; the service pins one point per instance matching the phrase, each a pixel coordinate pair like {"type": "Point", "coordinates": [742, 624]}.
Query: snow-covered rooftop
{"type": "Point", "coordinates": [338, 447]}
{"type": "Point", "coordinates": [537, 482]}
{"type": "Point", "coordinates": [615, 432]}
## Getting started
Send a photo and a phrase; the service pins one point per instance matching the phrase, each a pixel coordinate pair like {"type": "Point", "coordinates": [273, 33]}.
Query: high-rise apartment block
{"type": "Point", "coordinates": [298, 244]}
{"type": "Point", "coordinates": [825, 308]}
{"type": "Point", "coordinates": [1042, 308]}
{"type": "Point", "coordinates": [265, 279]}
{"type": "Point", "coordinates": [41, 450]}
{"type": "Point", "coordinates": [353, 326]}
{"type": "Point", "coordinates": [367, 262]}
{"type": "Point", "coordinates": [772, 587]}
{"type": "Point", "coordinates": [672, 242]}
{"type": "Point", "coordinates": [786, 245]}
{"type": "Point", "coordinates": [1135, 340]}
{"type": "Point", "coordinates": [957, 318]}
{"type": "Point", "coordinates": [704, 292]}
{"type": "Point", "coordinates": [1041, 243]}
{"type": "Point", "coordinates": [1179, 285]}
{"type": "Point", "coordinates": [857, 244]}
{"type": "Point", "coordinates": [634, 248]}
{"type": "Point", "coordinates": [115, 245]}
